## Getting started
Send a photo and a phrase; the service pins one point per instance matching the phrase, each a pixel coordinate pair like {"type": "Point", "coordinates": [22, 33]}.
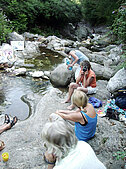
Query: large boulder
{"type": "Point", "coordinates": [31, 50]}
{"type": "Point", "coordinates": [102, 72]}
{"type": "Point", "coordinates": [14, 36]}
{"type": "Point", "coordinates": [61, 76]}
{"type": "Point", "coordinates": [117, 81]}
{"type": "Point", "coordinates": [102, 92]}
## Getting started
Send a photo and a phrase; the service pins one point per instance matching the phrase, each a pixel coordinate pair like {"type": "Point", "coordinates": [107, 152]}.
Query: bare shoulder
{"type": "Point", "coordinates": [90, 110]}
{"type": "Point", "coordinates": [72, 52]}
{"type": "Point", "coordinates": [90, 105]}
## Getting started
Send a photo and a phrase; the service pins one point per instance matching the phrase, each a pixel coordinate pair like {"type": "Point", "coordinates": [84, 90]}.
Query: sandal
{"type": "Point", "coordinates": [7, 119]}
{"type": "Point", "coordinates": [14, 121]}
{"type": "Point", "coordinates": [2, 145]}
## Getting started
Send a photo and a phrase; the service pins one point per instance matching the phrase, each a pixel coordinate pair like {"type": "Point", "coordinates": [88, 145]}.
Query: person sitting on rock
{"type": "Point", "coordinates": [86, 82]}
{"type": "Point", "coordinates": [63, 151]}
{"type": "Point", "coordinates": [8, 123]}
{"type": "Point", "coordinates": [85, 117]}
{"type": "Point", "coordinates": [76, 57]}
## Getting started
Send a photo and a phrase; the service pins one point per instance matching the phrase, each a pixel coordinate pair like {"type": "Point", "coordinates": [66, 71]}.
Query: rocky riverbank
{"type": "Point", "coordinates": [25, 146]}
{"type": "Point", "coordinates": [23, 141]}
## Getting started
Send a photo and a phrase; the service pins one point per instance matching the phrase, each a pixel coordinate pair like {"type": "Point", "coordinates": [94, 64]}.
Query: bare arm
{"type": "Point", "coordinates": [74, 116]}
{"type": "Point", "coordinates": [72, 53]}
{"type": "Point", "coordinates": [65, 111]}
{"type": "Point", "coordinates": [50, 158]}
{"type": "Point", "coordinates": [79, 77]}
{"type": "Point", "coordinates": [87, 82]}
{"type": "Point", "coordinates": [50, 166]}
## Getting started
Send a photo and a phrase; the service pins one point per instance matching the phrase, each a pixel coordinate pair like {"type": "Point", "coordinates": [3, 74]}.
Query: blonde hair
{"type": "Point", "coordinates": [59, 138]}
{"type": "Point", "coordinates": [79, 99]}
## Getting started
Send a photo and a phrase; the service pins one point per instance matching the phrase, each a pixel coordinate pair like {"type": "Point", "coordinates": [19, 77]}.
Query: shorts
{"type": "Point", "coordinates": [77, 71]}
{"type": "Point", "coordinates": [91, 90]}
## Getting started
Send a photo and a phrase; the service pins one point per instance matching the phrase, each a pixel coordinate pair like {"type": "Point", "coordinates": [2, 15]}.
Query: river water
{"type": "Point", "coordinates": [13, 89]}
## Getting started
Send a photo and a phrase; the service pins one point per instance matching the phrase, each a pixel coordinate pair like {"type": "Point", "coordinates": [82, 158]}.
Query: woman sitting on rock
{"type": "Point", "coordinates": [64, 151]}
{"type": "Point", "coordinates": [85, 117]}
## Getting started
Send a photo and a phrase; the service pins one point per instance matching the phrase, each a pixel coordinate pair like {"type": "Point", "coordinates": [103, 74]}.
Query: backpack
{"type": "Point", "coordinates": [120, 99]}
{"type": "Point", "coordinates": [112, 114]}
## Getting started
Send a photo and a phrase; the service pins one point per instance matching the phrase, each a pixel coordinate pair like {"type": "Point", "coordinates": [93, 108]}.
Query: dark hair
{"type": "Point", "coordinates": [67, 50]}
{"type": "Point", "coordinates": [86, 64]}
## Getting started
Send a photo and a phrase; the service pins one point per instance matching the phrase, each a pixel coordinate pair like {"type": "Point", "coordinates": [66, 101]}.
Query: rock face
{"type": "Point", "coordinates": [102, 71]}
{"type": "Point", "coordinates": [117, 81]}
{"type": "Point", "coordinates": [25, 146]}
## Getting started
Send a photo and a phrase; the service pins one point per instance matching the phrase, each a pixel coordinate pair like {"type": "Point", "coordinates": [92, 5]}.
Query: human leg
{"type": "Point", "coordinates": [91, 90]}
{"type": "Point", "coordinates": [7, 124]}
{"type": "Point", "coordinates": [5, 127]}
{"type": "Point", "coordinates": [71, 90]}
{"type": "Point", "coordinates": [77, 71]}
{"type": "Point", "coordinates": [85, 90]}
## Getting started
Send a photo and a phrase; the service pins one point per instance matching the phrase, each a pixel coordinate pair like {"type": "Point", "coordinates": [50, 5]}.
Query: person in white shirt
{"type": "Point", "coordinates": [63, 149]}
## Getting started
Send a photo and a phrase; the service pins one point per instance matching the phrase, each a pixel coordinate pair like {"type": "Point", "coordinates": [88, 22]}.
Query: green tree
{"type": "Point", "coordinates": [99, 11]}
{"type": "Point", "coordinates": [119, 25]}
{"type": "Point", "coordinates": [29, 14]}
{"type": "Point", "coordinates": [17, 16]}
{"type": "Point", "coordinates": [61, 11]}
{"type": "Point", "coordinates": [4, 27]}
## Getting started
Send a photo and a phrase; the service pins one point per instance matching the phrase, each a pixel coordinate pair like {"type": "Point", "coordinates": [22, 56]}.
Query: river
{"type": "Point", "coordinates": [14, 89]}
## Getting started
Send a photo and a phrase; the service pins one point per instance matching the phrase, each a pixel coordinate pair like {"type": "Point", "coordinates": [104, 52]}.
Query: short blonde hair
{"type": "Point", "coordinates": [79, 99]}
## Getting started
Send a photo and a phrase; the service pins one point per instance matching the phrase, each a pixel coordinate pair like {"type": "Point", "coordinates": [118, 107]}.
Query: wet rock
{"type": "Point", "coordinates": [20, 71]}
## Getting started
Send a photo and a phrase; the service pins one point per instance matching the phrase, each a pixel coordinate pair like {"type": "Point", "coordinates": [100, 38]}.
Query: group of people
{"type": "Point", "coordinates": [68, 148]}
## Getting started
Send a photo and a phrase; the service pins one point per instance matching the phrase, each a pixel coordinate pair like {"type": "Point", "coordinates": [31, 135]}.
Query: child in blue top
{"type": "Point", "coordinates": [85, 117]}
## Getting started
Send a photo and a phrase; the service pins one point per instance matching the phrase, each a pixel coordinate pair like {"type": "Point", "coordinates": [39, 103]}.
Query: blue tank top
{"type": "Point", "coordinates": [86, 132]}
{"type": "Point", "coordinates": [81, 56]}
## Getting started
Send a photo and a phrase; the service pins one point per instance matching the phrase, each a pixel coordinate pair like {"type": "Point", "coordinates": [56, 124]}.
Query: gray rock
{"type": "Point", "coordinates": [14, 36]}
{"type": "Point", "coordinates": [117, 81]}
{"type": "Point", "coordinates": [102, 92]}
{"type": "Point", "coordinates": [102, 71]}
{"type": "Point", "coordinates": [25, 145]}
{"type": "Point", "coordinates": [61, 76]}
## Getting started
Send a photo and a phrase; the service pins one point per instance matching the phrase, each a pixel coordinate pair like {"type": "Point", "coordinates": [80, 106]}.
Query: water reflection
{"type": "Point", "coordinates": [17, 87]}
{"type": "Point", "coordinates": [14, 88]}
{"type": "Point", "coordinates": [46, 61]}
